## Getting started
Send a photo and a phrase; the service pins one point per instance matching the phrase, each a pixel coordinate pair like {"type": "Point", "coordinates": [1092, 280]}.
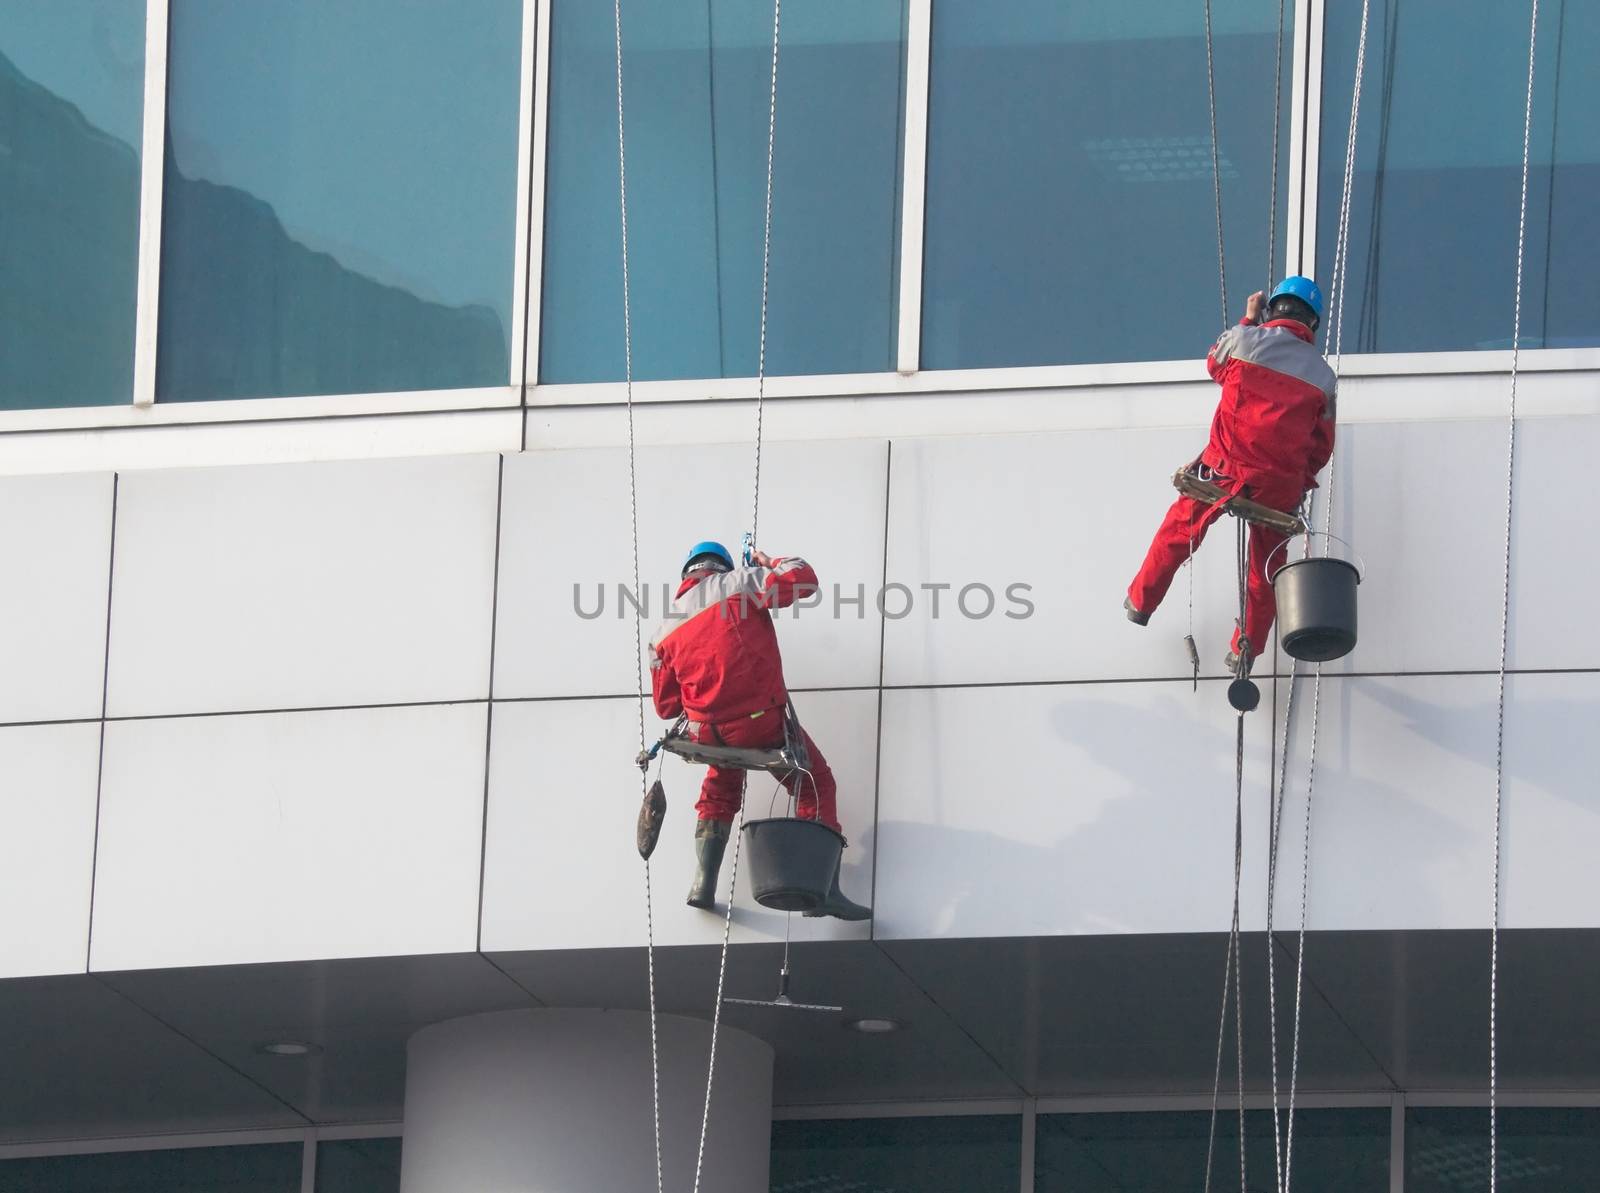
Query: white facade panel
{"type": "Point", "coordinates": [1068, 515]}
{"type": "Point", "coordinates": [46, 847]}
{"type": "Point", "coordinates": [1066, 809]}
{"type": "Point", "coordinates": [561, 870]}
{"type": "Point", "coordinates": [303, 585]}
{"type": "Point", "coordinates": [289, 836]}
{"type": "Point", "coordinates": [1403, 818]}
{"type": "Point", "coordinates": [55, 538]}
{"type": "Point", "coordinates": [1555, 572]}
{"type": "Point", "coordinates": [566, 544]}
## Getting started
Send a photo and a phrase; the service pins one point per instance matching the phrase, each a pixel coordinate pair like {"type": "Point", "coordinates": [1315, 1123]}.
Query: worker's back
{"type": "Point", "coordinates": [1275, 419]}
{"type": "Point", "coordinates": [718, 643]}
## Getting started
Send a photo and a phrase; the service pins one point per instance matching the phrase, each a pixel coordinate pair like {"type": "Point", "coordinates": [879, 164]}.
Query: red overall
{"type": "Point", "coordinates": [716, 658]}
{"type": "Point", "coordinates": [1271, 435]}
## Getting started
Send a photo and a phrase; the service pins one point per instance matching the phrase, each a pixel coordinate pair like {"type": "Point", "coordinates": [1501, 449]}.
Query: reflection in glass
{"type": "Point", "coordinates": [339, 209]}
{"type": "Point", "coordinates": [71, 94]}
{"type": "Point", "coordinates": [1435, 198]}
{"type": "Point", "coordinates": [358, 1166]}
{"type": "Point", "coordinates": [1335, 1151]}
{"type": "Point", "coordinates": [1540, 1150]}
{"type": "Point", "coordinates": [270, 1168]}
{"type": "Point", "coordinates": [980, 1154]}
{"type": "Point", "coordinates": [1070, 212]}
{"type": "Point", "coordinates": [697, 79]}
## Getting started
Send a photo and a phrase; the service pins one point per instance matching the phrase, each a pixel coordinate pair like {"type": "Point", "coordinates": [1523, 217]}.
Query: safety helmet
{"type": "Point", "coordinates": [1302, 288]}
{"type": "Point", "coordinates": [708, 552]}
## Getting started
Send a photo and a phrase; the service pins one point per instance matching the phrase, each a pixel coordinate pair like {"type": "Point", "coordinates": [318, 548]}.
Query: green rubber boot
{"type": "Point", "coordinates": [710, 839]}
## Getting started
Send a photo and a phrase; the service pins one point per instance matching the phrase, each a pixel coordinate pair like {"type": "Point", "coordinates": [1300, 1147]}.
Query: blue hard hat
{"type": "Point", "coordinates": [708, 550]}
{"type": "Point", "coordinates": [1302, 288]}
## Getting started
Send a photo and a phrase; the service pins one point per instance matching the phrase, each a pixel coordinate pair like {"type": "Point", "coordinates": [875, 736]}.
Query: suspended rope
{"type": "Point", "coordinates": [1505, 621]}
{"type": "Point", "coordinates": [638, 629]}
{"type": "Point", "coordinates": [755, 522]}
{"type": "Point", "coordinates": [1337, 288]}
{"type": "Point", "coordinates": [766, 270]}
{"type": "Point", "coordinates": [1216, 169]}
{"type": "Point", "coordinates": [1277, 119]}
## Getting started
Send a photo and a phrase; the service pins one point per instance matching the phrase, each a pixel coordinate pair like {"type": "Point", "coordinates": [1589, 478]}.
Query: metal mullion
{"type": "Point", "coordinates": [1310, 61]}
{"type": "Point", "coordinates": [152, 170]}
{"type": "Point", "coordinates": [539, 150]}
{"type": "Point", "coordinates": [1397, 1144]}
{"type": "Point", "coordinates": [1030, 1137]}
{"type": "Point", "coordinates": [308, 1163]}
{"type": "Point", "coordinates": [520, 276]}
{"type": "Point", "coordinates": [913, 186]}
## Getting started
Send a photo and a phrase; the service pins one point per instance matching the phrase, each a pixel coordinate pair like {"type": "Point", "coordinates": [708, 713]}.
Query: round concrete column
{"type": "Point", "coordinates": [558, 1101]}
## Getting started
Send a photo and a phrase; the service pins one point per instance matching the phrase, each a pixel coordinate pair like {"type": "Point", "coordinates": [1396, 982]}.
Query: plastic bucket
{"type": "Point", "coordinates": [792, 862]}
{"type": "Point", "coordinates": [1317, 607]}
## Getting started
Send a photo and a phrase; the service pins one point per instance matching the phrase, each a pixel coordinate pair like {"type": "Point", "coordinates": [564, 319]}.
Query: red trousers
{"type": "Point", "coordinates": [816, 794]}
{"type": "Point", "coordinates": [1187, 521]}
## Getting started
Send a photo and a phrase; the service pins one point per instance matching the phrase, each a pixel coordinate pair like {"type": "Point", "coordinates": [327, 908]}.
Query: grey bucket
{"type": "Point", "coordinates": [792, 862]}
{"type": "Point", "coordinates": [1317, 607]}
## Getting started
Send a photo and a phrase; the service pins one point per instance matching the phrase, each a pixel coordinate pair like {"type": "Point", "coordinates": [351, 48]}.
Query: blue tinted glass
{"type": "Point", "coordinates": [696, 79]}
{"type": "Point", "coordinates": [273, 1168]}
{"type": "Point", "coordinates": [981, 1154]}
{"type": "Point", "coordinates": [71, 97]}
{"type": "Point", "coordinates": [1335, 1151]}
{"type": "Point", "coordinates": [340, 204]}
{"type": "Point", "coordinates": [1434, 201]}
{"type": "Point", "coordinates": [1070, 212]}
{"type": "Point", "coordinates": [358, 1166]}
{"type": "Point", "coordinates": [1541, 1151]}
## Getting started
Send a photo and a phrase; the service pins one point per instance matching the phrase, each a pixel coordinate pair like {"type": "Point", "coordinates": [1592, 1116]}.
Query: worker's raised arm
{"type": "Point", "coordinates": [779, 581]}
{"type": "Point", "coordinates": [1228, 342]}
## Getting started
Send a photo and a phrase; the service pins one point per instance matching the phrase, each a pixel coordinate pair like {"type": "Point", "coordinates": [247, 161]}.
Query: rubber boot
{"type": "Point", "coordinates": [710, 839]}
{"type": "Point", "coordinates": [839, 905]}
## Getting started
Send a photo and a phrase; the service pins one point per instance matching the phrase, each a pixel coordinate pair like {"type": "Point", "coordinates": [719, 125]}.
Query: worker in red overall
{"type": "Point", "coordinates": [1271, 435]}
{"type": "Point", "coordinates": [716, 658]}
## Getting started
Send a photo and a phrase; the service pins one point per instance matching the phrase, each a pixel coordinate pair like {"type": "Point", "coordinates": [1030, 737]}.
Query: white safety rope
{"type": "Point", "coordinates": [1337, 291]}
{"type": "Point", "coordinates": [1216, 169]}
{"type": "Point", "coordinates": [1505, 621]}
{"type": "Point", "coordinates": [755, 521]}
{"type": "Point", "coordinates": [638, 629]}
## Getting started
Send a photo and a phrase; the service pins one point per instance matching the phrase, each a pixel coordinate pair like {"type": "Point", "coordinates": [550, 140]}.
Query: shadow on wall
{"type": "Point", "coordinates": [247, 311]}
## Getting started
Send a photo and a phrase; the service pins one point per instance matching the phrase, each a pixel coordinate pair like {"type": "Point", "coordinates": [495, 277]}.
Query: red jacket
{"type": "Point", "coordinates": [1274, 424]}
{"type": "Point", "coordinates": [716, 655]}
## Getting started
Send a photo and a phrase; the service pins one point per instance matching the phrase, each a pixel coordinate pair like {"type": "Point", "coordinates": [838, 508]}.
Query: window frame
{"type": "Point", "coordinates": [524, 391]}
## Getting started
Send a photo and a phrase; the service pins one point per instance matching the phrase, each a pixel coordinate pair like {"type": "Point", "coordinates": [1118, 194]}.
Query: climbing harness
{"type": "Point", "coordinates": [1505, 621]}
{"type": "Point", "coordinates": [1196, 481]}
{"type": "Point", "coordinates": [782, 761]}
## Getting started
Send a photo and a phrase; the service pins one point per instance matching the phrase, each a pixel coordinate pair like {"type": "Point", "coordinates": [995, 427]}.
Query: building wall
{"type": "Point", "coordinates": [367, 707]}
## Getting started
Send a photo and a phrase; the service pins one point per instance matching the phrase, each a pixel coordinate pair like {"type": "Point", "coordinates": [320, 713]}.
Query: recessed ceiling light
{"type": "Point", "coordinates": [874, 1026]}
{"type": "Point", "coordinates": [288, 1048]}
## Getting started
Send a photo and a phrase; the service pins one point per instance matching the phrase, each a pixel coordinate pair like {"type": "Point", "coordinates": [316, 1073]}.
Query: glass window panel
{"type": "Point", "coordinates": [1434, 202]}
{"type": "Point", "coordinates": [358, 1166]}
{"type": "Point", "coordinates": [272, 1168]}
{"type": "Point", "coordinates": [1541, 1150]}
{"type": "Point", "coordinates": [1335, 1151]}
{"type": "Point", "coordinates": [697, 79]}
{"type": "Point", "coordinates": [979, 1154]}
{"type": "Point", "coordinates": [1070, 213]}
{"type": "Point", "coordinates": [71, 98]}
{"type": "Point", "coordinates": [340, 201]}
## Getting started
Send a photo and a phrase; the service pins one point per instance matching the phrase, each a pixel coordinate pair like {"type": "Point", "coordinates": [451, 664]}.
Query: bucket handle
{"type": "Point", "coordinates": [1266, 564]}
